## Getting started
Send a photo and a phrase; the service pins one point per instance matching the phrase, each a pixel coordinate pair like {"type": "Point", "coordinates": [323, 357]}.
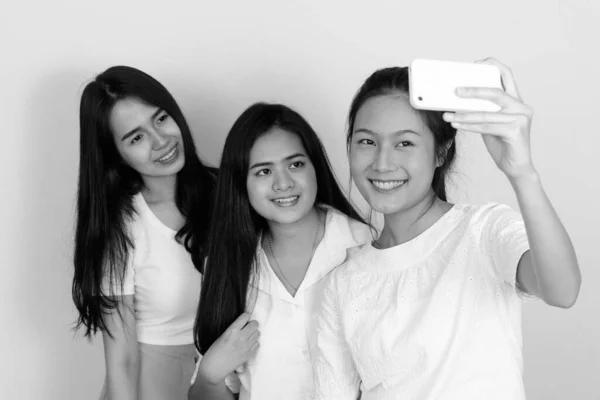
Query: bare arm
{"type": "Point", "coordinates": [231, 350]}
{"type": "Point", "coordinates": [203, 390]}
{"type": "Point", "coordinates": [121, 352]}
{"type": "Point", "coordinates": [550, 269]}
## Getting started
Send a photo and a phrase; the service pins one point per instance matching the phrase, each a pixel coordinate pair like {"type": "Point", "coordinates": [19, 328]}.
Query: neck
{"type": "Point", "coordinates": [406, 225]}
{"type": "Point", "coordinates": [297, 232]}
{"type": "Point", "coordinates": [159, 189]}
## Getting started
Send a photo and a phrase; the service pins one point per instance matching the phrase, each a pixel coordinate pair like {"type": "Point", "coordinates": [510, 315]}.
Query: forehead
{"type": "Point", "coordinates": [274, 145]}
{"type": "Point", "coordinates": [388, 113]}
{"type": "Point", "coordinates": [128, 114]}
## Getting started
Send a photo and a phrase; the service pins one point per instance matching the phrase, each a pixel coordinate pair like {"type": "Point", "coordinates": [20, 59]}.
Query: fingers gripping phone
{"type": "Point", "coordinates": [433, 83]}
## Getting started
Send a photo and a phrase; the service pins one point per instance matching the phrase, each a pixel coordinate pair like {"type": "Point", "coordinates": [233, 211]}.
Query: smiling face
{"type": "Point", "coordinates": [281, 181]}
{"type": "Point", "coordinates": [147, 138]}
{"type": "Point", "coordinates": [392, 155]}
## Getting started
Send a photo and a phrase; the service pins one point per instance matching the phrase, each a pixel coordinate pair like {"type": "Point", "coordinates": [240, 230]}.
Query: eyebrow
{"type": "Point", "coordinates": [135, 130]}
{"type": "Point", "coordinates": [400, 132]}
{"type": "Point", "coordinates": [266, 164]}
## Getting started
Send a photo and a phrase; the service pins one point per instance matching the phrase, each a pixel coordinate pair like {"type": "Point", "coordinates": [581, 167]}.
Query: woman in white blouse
{"type": "Point", "coordinates": [142, 217]}
{"type": "Point", "coordinates": [280, 226]}
{"type": "Point", "coordinates": [432, 309]}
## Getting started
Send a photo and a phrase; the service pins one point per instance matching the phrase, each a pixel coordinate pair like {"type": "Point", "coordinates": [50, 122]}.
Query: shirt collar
{"type": "Point", "coordinates": [341, 234]}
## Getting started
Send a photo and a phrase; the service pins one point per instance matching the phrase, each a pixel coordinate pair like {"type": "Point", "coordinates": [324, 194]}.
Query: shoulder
{"type": "Point", "coordinates": [488, 214]}
{"type": "Point", "coordinates": [352, 232]}
{"type": "Point", "coordinates": [136, 220]}
{"type": "Point", "coordinates": [357, 262]}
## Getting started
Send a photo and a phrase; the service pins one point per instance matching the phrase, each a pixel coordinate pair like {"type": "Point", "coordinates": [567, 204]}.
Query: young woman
{"type": "Point", "coordinates": [432, 309]}
{"type": "Point", "coordinates": [142, 218]}
{"type": "Point", "coordinates": [280, 226]}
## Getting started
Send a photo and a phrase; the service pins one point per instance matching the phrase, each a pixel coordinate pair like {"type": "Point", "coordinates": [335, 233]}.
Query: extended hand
{"type": "Point", "coordinates": [506, 133]}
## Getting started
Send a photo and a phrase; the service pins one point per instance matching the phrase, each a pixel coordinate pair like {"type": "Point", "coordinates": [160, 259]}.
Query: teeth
{"type": "Point", "coordinates": [169, 155]}
{"type": "Point", "coordinates": [286, 200]}
{"type": "Point", "coordinates": [387, 185]}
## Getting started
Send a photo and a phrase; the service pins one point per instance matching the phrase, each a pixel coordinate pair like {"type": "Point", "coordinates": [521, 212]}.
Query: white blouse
{"type": "Point", "coordinates": [438, 317]}
{"type": "Point", "coordinates": [282, 366]}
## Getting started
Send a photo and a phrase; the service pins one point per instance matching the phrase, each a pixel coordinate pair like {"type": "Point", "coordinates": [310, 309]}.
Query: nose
{"type": "Point", "coordinates": [159, 139]}
{"type": "Point", "coordinates": [282, 181]}
{"type": "Point", "coordinates": [384, 160]}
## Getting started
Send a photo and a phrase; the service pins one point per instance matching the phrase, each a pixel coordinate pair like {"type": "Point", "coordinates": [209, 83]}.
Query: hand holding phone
{"type": "Point", "coordinates": [433, 85]}
{"type": "Point", "coordinates": [506, 133]}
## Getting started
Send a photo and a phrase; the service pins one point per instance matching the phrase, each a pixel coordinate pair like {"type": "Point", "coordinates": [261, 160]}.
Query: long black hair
{"type": "Point", "coordinates": [395, 80]}
{"type": "Point", "coordinates": [236, 227]}
{"type": "Point", "coordinates": [106, 187]}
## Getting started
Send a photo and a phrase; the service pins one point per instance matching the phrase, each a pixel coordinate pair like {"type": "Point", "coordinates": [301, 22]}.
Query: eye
{"type": "Point", "coordinates": [136, 138]}
{"type": "Point", "coordinates": [162, 118]}
{"type": "Point", "coordinates": [263, 172]}
{"type": "Point", "coordinates": [297, 164]}
{"type": "Point", "coordinates": [405, 143]}
{"type": "Point", "coordinates": [367, 142]}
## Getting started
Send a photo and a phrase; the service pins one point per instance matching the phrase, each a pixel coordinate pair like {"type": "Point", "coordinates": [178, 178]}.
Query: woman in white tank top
{"type": "Point", "coordinates": [142, 219]}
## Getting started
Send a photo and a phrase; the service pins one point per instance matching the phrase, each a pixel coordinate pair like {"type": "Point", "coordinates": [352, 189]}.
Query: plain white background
{"type": "Point", "coordinates": [217, 58]}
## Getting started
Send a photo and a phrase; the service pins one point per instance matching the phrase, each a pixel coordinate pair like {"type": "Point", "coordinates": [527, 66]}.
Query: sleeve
{"type": "Point", "coordinates": [111, 286]}
{"type": "Point", "coordinates": [335, 375]}
{"type": "Point", "coordinates": [505, 240]}
{"type": "Point", "coordinates": [232, 381]}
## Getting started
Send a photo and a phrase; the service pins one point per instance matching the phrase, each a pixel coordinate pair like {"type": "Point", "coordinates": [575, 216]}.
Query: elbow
{"type": "Point", "coordinates": [568, 297]}
{"type": "Point", "coordinates": [562, 303]}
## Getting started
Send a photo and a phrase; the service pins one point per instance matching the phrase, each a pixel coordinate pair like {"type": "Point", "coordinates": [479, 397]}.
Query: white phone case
{"type": "Point", "coordinates": [433, 84]}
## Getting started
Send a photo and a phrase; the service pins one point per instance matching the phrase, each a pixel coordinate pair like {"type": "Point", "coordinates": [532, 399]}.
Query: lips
{"type": "Point", "coordinates": [287, 201]}
{"type": "Point", "coordinates": [387, 185]}
{"type": "Point", "coordinates": [169, 155]}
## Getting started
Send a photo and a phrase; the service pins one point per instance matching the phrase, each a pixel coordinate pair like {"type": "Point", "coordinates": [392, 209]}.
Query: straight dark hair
{"type": "Point", "coordinates": [394, 80]}
{"type": "Point", "coordinates": [236, 227]}
{"type": "Point", "coordinates": [106, 188]}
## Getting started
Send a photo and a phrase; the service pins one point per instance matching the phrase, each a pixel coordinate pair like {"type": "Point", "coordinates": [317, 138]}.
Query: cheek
{"type": "Point", "coordinates": [359, 162]}
{"type": "Point", "coordinates": [172, 128]}
{"type": "Point", "coordinates": [309, 179]}
{"type": "Point", "coordinates": [136, 156]}
{"type": "Point", "coordinates": [257, 192]}
{"type": "Point", "coordinates": [422, 163]}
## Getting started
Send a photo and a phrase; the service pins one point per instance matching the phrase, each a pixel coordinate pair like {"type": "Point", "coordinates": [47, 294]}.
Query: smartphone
{"type": "Point", "coordinates": [432, 85]}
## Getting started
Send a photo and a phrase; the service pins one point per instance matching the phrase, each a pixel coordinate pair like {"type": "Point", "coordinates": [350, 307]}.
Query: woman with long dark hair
{"type": "Point", "coordinates": [143, 208]}
{"type": "Point", "coordinates": [281, 224]}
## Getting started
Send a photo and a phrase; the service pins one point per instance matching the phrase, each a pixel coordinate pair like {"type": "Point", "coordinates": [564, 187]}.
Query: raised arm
{"type": "Point", "coordinates": [550, 269]}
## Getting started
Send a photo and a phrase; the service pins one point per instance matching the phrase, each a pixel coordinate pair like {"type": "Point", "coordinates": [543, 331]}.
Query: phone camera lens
{"type": "Point", "coordinates": [420, 98]}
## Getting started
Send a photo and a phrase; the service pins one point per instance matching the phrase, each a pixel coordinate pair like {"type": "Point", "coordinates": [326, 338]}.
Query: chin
{"type": "Point", "coordinates": [386, 209]}
{"type": "Point", "coordinates": [386, 205]}
{"type": "Point", "coordinates": [289, 216]}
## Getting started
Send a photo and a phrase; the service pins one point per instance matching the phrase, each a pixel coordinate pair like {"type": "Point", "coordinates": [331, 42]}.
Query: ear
{"type": "Point", "coordinates": [443, 153]}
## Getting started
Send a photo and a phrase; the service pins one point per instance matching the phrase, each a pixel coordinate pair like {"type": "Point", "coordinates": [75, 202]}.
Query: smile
{"type": "Point", "coordinates": [169, 156]}
{"type": "Point", "coordinates": [387, 185]}
{"type": "Point", "coordinates": [286, 201]}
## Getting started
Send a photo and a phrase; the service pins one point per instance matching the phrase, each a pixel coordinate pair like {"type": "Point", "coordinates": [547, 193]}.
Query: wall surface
{"type": "Point", "coordinates": [217, 58]}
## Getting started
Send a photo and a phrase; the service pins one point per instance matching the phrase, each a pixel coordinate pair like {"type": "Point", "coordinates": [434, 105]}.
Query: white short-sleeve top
{"type": "Point", "coordinates": [438, 317]}
{"type": "Point", "coordinates": [162, 277]}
